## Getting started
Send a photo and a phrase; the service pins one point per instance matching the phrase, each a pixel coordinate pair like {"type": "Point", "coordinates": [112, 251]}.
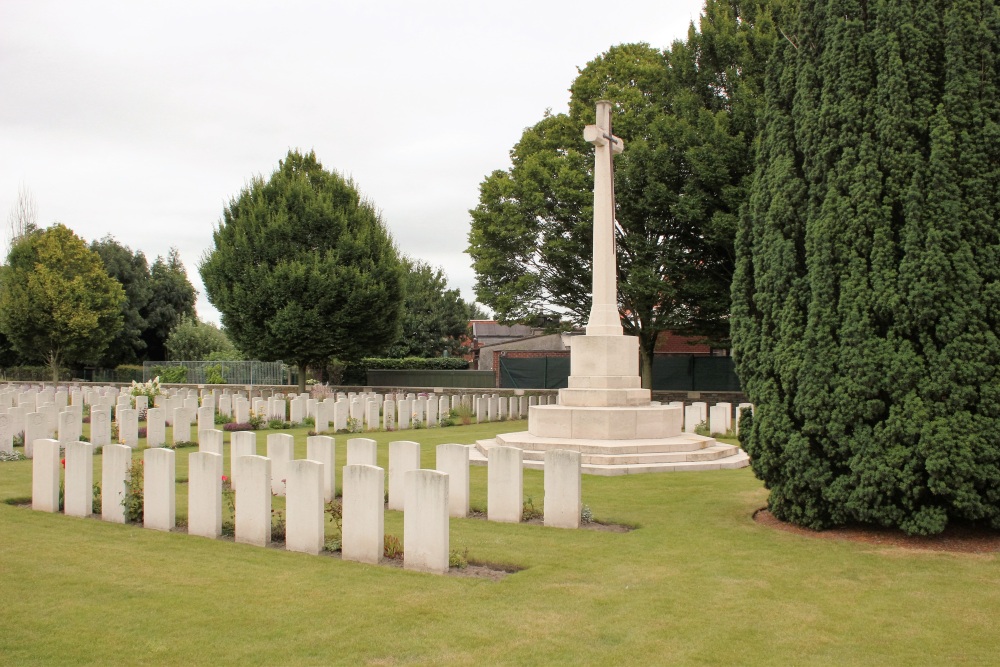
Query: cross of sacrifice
{"type": "Point", "coordinates": [604, 318]}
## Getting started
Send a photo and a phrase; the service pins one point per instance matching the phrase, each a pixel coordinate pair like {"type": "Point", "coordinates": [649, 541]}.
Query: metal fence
{"type": "Point", "coordinates": [218, 372]}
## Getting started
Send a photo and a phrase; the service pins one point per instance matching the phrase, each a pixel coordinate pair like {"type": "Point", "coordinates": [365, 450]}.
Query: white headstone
{"type": "Point", "coordinates": [563, 502]}
{"type": "Point", "coordinates": [156, 427]}
{"type": "Point", "coordinates": [45, 475]}
{"type": "Point", "coordinates": [281, 451]}
{"type": "Point", "coordinates": [210, 440]}
{"type": "Point", "coordinates": [253, 500]}
{"type": "Point", "coordinates": [404, 456]}
{"type": "Point", "coordinates": [362, 451]}
{"type": "Point", "coordinates": [425, 522]}
{"type": "Point", "coordinates": [304, 523]}
{"type": "Point", "coordinates": [79, 486]}
{"type": "Point", "coordinates": [363, 523]}
{"type": "Point", "coordinates": [115, 460]}
{"type": "Point", "coordinates": [159, 491]}
{"type": "Point", "coordinates": [454, 460]}
{"type": "Point", "coordinates": [505, 484]}
{"type": "Point", "coordinates": [205, 494]}
{"type": "Point", "coordinates": [323, 448]}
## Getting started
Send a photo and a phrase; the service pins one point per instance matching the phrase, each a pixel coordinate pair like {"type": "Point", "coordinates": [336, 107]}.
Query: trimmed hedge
{"type": "Point", "coordinates": [357, 373]}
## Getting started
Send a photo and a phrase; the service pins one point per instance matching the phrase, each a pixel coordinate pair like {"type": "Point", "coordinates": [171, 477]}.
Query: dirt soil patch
{"type": "Point", "coordinates": [955, 538]}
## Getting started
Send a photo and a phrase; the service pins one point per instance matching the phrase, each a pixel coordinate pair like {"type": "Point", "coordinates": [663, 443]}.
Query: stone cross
{"type": "Point", "coordinates": [604, 319]}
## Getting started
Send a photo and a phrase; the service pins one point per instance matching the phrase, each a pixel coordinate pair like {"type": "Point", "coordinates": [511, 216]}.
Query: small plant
{"type": "Point", "coordinates": [141, 433]}
{"type": "Point", "coordinates": [18, 439]}
{"type": "Point", "coordinates": [277, 424]}
{"type": "Point", "coordinates": [458, 559]}
{"type": "Point", "coordinates": [463, 414]}
{"type": "Point", "coordinates": [309, 421]}
{"type": "Point", "coordinates": [335, 510]}
{"type": "Point", "coordinates": [256, 421]}
{"type": "Point", "coordinates": [415, 422]}
{"type": "Point", "coordinates": [95, 506]}
{"type": "Point", "coordinates": [392, 547]}
{"type": "Point", "coordinates": [277, 526]}
{"type": "Point", "coordinates": [354, 425]}
{"type": "Point", "coordinates": [586, 515]}
{"type": "Point", "coordinates": [229, 499]}
{"type": "Point", "coordinates": [332, 545]}
{"type": "Point", "coordinates": [222, 419]}
{"type": "Point", "coordinates": [132, 502]}
{"type": "Point", "coordinates": [147, 389]}
{"type": "Point", "coordinates": [237, 426]}
{"type": "Point", "coordinates": [11, 456]}
{"type": "Point", "coordinates": [179, 444]}
{"type": "Point", "coordinates": [702, 429]}
{"type": "Point", "coordinates": [529, 511]}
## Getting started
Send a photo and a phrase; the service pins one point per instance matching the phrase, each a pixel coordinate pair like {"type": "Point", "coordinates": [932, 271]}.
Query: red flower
{"type": "Point", "coordinates": [64, 463]}
{"type": "Point", "coordinates": [225, 479]}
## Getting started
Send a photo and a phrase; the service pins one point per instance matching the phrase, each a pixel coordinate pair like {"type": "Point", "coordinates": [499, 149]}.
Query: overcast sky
{"type": "Point", "coordinates": [143, 119]}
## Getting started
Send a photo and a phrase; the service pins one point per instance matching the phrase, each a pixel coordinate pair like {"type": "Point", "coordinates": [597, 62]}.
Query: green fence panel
{"type": "Point", "coordinates": [426, 378]}
{"type": "Point", "coordinates": [534, 372]}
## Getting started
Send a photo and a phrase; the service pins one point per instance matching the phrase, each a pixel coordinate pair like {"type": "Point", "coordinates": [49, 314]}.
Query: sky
{"type": "Point", "coordinates": [143, 120]}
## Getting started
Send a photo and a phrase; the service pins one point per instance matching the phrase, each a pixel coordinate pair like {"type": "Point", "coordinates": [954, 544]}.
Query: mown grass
{"type": "Point", "coordinates": [698, 583]}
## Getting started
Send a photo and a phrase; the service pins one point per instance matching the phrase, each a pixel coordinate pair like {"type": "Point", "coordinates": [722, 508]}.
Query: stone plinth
{"type": "Point", "coordinates": [604, 423]}
{"type": "Point", "coordinates": [363, 523]}
{"type": "Point", "coordinates": [425, 521]}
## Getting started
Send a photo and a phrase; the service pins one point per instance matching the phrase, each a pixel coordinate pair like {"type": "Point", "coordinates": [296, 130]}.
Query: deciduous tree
{"type": "Point", "coordinates": [131, 270]}
{"type": "Point", "coordinates": [435, 318]}
{"type": "Point", "coordinates": [172, 297]}
{"type": "Point", "coordinates": [688, 120]}
{"type": "Point", "coordinates": [57, 303]}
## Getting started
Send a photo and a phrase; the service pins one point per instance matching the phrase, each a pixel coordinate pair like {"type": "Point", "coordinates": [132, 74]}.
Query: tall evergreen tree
{"type": "Point", "coordinates": [866, 301]}
{"type": "Point", "coordinates": [131, 270]}
{"type": "Point", "coordinates": [303, 269]}
{"type": "Point", "coordinates": [172, 298]}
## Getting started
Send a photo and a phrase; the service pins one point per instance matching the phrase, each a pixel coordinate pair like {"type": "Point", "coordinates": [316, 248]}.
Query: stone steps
{"type": "Point", "coordinates": [701, 454]}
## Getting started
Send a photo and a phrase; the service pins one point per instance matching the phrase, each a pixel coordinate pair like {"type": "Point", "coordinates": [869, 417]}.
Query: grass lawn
{"type": "Point", "coordinates": [697, 583]}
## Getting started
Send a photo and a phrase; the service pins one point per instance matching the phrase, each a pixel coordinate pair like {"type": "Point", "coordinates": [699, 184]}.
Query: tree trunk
{"type": "Point", "coordinates": [54, 366]}
{"type": "Point", "coordinates": [302, 377]}
{"type": "Point", "coordinates": [647, 344]}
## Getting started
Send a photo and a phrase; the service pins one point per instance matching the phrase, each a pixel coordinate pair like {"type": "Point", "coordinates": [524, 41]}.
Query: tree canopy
{"type": "Point", "coordinates": [172, 298]}
{"type": "Point", "coordinates": [131, 270]}
{"type": "Point", "coordinates": [688, 120]}
{"type": "Point", "coordinates": [866, 302]}
{"type": "Point", "coordinates": [303, 269]}
{"type": "Point", "coordinates": [435, 318]}
{"type": "Point", "coordinates": [57, 303]}
{"type": "Point", "coordinates": [193, 340]}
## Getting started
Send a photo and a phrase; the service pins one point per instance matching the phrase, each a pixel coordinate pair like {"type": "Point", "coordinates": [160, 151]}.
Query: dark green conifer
{"type": "Point", "coordinates": [866, 298]}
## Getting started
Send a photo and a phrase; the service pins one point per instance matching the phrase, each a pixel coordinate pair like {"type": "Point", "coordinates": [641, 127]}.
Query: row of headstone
{"type": "Point", "coordinates": [428, 498]}
{"type": "Point", "coordinates": [719, 418]}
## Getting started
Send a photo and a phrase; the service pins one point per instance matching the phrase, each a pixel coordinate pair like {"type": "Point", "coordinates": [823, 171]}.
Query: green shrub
{"type": "Point", "coordinates": [392, 547]}
{"type": "Point", "coordinates": [529, 511]}
{"type": "Point", "coordinates": [170, 374]}
{"type": "Point", "coordinates": [132, 502]}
